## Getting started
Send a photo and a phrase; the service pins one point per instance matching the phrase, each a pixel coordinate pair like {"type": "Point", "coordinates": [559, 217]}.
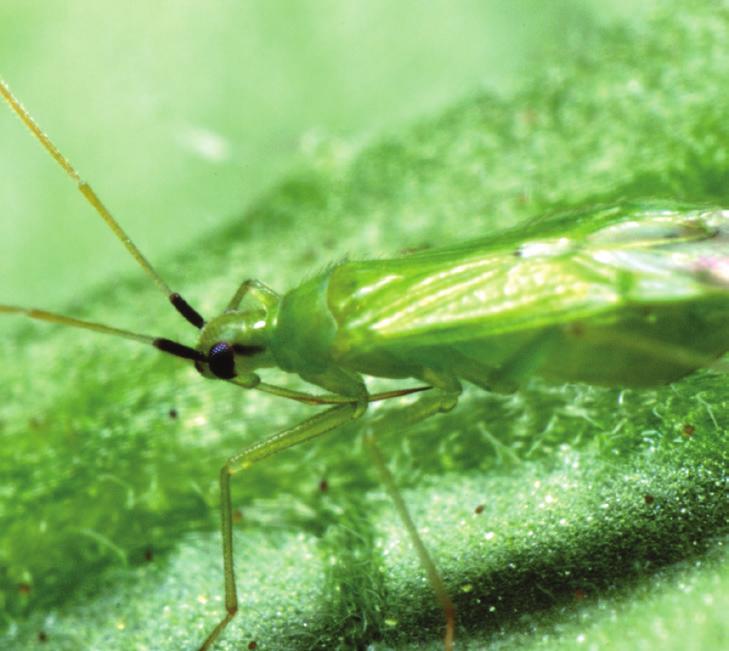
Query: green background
{"type": "Point", "coordinates": [131, 91]}
{"type": "Point", "coordinates": [604, 511]}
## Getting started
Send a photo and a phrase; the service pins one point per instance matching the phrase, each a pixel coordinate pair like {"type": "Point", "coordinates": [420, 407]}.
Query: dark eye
{"type": "Point", "coordinates": [221, 360]}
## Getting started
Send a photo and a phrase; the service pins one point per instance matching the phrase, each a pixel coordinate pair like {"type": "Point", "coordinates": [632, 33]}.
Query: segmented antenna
{"type": "Point", "coordinates": [165, 345]}
{"type": "Point", "coordinates": [179, 303]}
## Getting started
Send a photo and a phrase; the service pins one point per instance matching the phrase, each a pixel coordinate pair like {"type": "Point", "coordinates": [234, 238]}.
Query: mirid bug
{"type": "Point", "coordinates": [623, 295]}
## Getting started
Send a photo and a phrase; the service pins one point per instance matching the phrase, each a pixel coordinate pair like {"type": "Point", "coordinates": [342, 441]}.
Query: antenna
{"type": "Point", "coordinates": [165, 345]}
{"type": "Point", "coordinates": [180, 304]}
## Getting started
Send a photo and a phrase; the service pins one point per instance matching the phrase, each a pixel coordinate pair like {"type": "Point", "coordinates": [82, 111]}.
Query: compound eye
{"type": "Point", "coordinates": [221, 360]}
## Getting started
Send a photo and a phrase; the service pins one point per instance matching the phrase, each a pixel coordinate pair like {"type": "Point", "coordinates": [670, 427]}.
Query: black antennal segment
{"type": "Point", "coordinates": [178, 350]}
{"type": "Point", "coordinates": [186, 310]}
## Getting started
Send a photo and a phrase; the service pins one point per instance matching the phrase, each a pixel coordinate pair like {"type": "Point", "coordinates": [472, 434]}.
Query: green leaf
{"type": "Point", "coordinates": [561, 516]}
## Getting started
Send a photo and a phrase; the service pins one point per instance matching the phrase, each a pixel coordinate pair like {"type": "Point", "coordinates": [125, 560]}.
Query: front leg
{"type": "Point", "coordinates": [260, 291]}
{"type": "Point", "coordinates": [243, 460]}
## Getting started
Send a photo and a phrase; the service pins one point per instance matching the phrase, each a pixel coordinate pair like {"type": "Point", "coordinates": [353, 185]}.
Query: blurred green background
{"type": "Point", "coordinates": [182, 113]}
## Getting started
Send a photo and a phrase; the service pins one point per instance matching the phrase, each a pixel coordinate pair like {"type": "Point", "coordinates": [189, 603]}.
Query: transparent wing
{"type": "Point", "coordinates": [462, 294]}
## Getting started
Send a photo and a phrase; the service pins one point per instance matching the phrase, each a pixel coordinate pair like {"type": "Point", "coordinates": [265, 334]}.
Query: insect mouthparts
{"type": "Point", "coordinates": [247, 351]}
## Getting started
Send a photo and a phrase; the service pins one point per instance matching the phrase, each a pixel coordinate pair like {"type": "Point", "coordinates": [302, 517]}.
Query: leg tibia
{"type": "Point", "coordinates": [309, 429]}
{"type": "Point", "coordinates": [426, 406]}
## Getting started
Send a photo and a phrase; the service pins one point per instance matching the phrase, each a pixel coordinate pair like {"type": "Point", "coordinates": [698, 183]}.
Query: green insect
{"type": "Point", "coordinates": [624, 295]}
